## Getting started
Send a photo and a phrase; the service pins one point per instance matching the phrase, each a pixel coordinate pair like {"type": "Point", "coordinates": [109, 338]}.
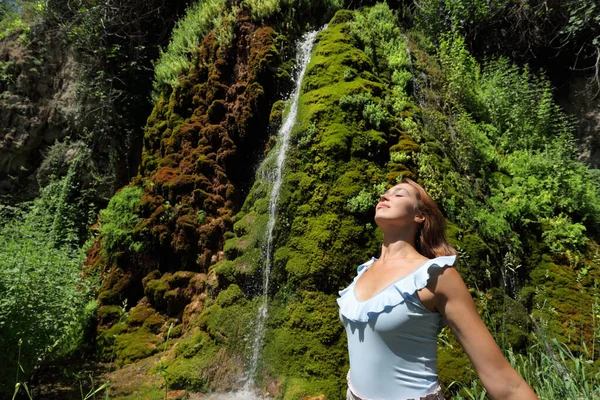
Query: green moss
{"type": "Point", "coordinates": [118, 221]}
{"type": "Point", "coordinates": [239, 271]}
{"type": "Point", "coordinates": [235, 247]}
{"type": "Point", "coordinates": [137, 315]}
{"type": "Point", "coordinates": [186, 374]}
{"type": "Point", "coordinates": [141, 392]}
{"type": "Point", "coordinates": [510, 320]}
{"type": "Point", "coordinates": [135, 345]}
{"type": "Point", "coordinates": [228, 325]}
{"type": "Point", "coordinates": [563, 302]}
{"type": "Point", "coordinates": [336, 141]}
{"type": "Point", "coordinates": [474, 252]}
{"type": "Point", "coordinates": [109, 314]}
{"type": "Point", "coordinates": [155, 290]}
{"type": "Point", "coordinates": [341, 16]}
{"type": "Point", "coordinates": [276, 116]}
{"type": "Point", "coordinates": [106, 341]}
{"type": "Point", "coordinates": [154, 323]}
{"type": "Point", "coordinates": [453, 364]}
{"type": "Point", "coordinates": [320, 357]}
{"type": "Point", "coordinates": [230, 296]}
{"type": "Point", "coordinates": [109, 297]}
{"type": "Point", "coordinates": [369, 144]}
{"type": "Point", "coordinates": [193, 343]}
{"type": "Point", "coordinates": [299, 388]}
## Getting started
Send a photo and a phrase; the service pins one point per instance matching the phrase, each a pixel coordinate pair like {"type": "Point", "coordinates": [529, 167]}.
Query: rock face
{"type": "Point", "coordinates": [583, 101]}
{"type": "Point", "coordinates": [37, 105]}
{"type": "Point", "coordinates": [199, 147]}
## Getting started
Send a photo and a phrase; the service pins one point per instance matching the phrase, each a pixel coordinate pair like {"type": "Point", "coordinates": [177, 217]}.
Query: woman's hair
{"type": "Point", "coordinates": [431, 237]}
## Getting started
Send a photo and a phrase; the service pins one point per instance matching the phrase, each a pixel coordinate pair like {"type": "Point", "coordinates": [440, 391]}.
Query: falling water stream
{"type": "Point", "coordinates": [302, 59]}
{"type": "Point", "coordinates": [415, 82]}
{"type": "Point", "coordinates": [275, 178]}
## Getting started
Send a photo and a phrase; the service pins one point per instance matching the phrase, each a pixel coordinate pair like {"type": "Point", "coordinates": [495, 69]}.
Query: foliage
{"type": "Point", "coordinates": [288, 10]}
{"type": "Point", "coordinates": [113, 44]}
{"type": "Point", "coordinates": [551, 369]}
{"type": "Point", "coordinates": [17, 16]}
{"type": "Point", "coordinates": [45, 302]}
{"type": "Point", "coordinates": [561, 32]}
{"type": "Point", "coordinates": [377, 31]}
{"type": "Point", "coordinates": [512, 139]}
{"type": "Point", "coordinates": [365, 199]}
{"type": "Point", "coordinates": [362, 202]}
{"type": "Point", "coordinates": [118, 221]}
{"type": "Point", "coordinates": [375, 114]}
{"type": "Point", "coordinates": [187, 35]}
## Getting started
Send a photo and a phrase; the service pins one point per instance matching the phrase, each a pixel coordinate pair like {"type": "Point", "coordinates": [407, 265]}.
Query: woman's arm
{"type": "Point", "coordinates": [454, 302]}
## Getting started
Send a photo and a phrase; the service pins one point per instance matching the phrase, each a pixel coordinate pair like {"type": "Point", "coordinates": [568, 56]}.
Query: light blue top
{"type": "Point", "coordinates": [392, 337]}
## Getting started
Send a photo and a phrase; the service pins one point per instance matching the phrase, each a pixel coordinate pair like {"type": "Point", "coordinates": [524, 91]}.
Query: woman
{"type": "Point", "coordinates": [397, 304]}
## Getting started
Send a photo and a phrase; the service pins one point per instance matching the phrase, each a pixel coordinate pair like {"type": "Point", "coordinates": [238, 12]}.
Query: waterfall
{"type": "Point", "coordinates": [302, 59]}
{"type": "Point", "coordinates": [414, 80]}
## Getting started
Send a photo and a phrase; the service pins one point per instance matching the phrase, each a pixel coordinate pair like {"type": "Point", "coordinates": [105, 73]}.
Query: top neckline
{"type": "Point", "coordinates": [388, 286]}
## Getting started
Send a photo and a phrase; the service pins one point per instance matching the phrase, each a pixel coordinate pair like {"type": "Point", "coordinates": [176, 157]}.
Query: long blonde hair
{"type": "Point", "coordinates": [431, 238]}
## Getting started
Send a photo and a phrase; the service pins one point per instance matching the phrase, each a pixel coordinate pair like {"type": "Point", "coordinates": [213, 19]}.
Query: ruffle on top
{"type": "Point", "coordinates": [394, 294]}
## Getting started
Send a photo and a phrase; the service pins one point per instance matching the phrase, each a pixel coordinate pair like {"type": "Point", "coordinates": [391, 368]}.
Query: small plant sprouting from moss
{"type": "Point", "coordinates": [118, 220]}
{"type": "Point", "coordinates": [366, 199]}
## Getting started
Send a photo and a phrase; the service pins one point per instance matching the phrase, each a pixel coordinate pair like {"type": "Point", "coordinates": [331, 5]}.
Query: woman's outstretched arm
{"type": "Point", "coordinates": [454, 302]}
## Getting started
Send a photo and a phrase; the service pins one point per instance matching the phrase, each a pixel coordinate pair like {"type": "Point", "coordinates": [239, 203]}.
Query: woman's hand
{"type": "Point", "coordinates": [454, 302]}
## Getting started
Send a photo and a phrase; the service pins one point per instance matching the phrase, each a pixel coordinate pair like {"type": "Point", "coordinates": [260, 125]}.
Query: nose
{"type": "Point", "coordinates": [384, 197]}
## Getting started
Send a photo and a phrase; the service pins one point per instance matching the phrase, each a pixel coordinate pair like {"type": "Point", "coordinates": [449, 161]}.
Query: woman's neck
{"type": "Point", "coordinates": [398, 247]}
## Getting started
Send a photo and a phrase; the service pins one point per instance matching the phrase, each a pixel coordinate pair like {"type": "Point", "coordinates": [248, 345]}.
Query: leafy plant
{"type": "Point", "coordinates": [366, 199]}
{"type": "Point", "coordinates": [45, 300]}
{"type": "Point", "coordinates": [509, 138]}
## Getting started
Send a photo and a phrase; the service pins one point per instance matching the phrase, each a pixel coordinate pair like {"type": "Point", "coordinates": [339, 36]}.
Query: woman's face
{"type": "Point", "coordinates": [398, 207]}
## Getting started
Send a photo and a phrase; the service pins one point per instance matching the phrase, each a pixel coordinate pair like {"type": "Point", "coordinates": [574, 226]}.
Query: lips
{"type": "Point", "coordinates": [382, 205]}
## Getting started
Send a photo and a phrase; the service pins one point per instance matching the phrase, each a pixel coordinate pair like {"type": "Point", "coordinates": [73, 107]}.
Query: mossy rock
{"type": "Point", "coordinates": [139, 314]}
{"type": "Point", "coordinates": [511, 320]}
{"type": "Point", "coordinates": [156, 290]}
{"type": "Point", "coordinates": [106, 341]}
{"type": "Point", "coordinates": [194, 342]}
{"type": "Point", "coordinates": [136, 345]}
{"type": "Point", "coordinates": [341, 16]}
{"type": "Point", "coordinates": [228, 325]}
{"type": "Point", "coordinates": [563, 302]}
{"type": "Point", "coordinates": [240, 271]}
{"type": "Point", "coordinates": [276, 116]}
{"type": "Point", "coordinates": [109, 297]}
{"type": "Point", "coordinates": [186, 373]}
{"type": "Point", "coordinates": [154, 323]}
{"type": "Point", "coordinates": [109, 314]}
{"type": "Point", "coordinates": [474, 254]}
{"type": "Point", "coordinates": [230, 296]}
{"type": "Point", "coordinates": [305, 340]}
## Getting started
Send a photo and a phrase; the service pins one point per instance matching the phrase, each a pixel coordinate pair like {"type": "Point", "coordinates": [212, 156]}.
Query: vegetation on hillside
{"type": "Point", "coordinates": [47, 308]}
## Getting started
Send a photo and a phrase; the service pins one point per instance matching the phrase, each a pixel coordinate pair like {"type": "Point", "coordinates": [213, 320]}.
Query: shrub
{"type": "Point", "coordinates": [377, 31]}
{"type": "Point", "coordinates": [44, 301]}
{"type": "Point", "coordinates": [509, 156]}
